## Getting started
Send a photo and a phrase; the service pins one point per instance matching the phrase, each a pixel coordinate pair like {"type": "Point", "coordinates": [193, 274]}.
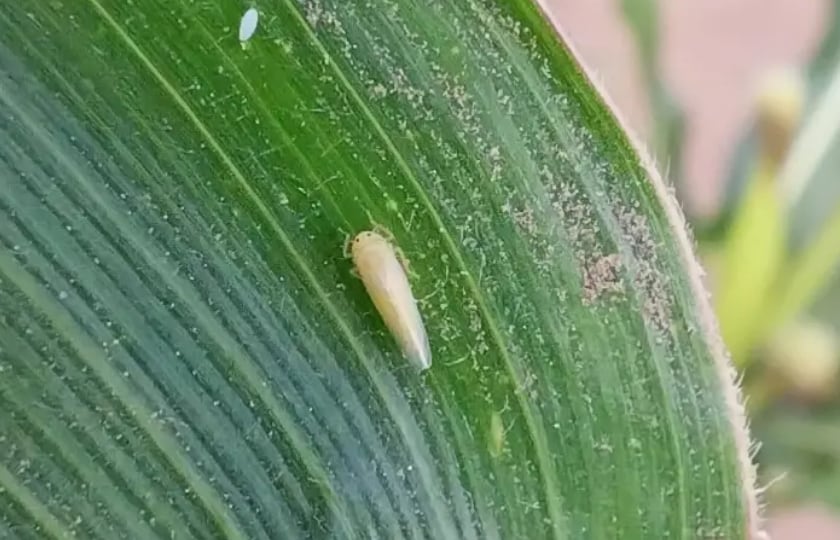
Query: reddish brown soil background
{"type": "Point", "coordinates": [713, 52]}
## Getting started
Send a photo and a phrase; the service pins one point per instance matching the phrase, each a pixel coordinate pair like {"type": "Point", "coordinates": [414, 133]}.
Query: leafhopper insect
{"type": "Point", "coordinates": [384, 275]}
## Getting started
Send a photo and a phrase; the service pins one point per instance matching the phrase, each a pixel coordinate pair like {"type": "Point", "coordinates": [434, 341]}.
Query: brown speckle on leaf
{"type": "Point", "coordinates": [603, 276]}
{"type": "Point", "coordinates": [648, 278]}
{"type": "Point", "coordinates": [524, 219]}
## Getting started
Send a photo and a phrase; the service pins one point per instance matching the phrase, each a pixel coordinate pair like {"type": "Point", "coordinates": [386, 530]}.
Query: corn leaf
{"type": "Point", "coordinates": [186, 353]}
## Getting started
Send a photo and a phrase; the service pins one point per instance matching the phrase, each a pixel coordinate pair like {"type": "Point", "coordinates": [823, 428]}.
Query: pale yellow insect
{"type": "Point", "coordinates": [385, 279]}
{"type": "Point", "coordinates": [497, 434]}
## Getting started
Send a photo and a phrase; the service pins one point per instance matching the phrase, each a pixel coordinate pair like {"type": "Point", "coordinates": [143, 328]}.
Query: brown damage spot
{"type": "Point", "coordinates": [603, 276]}
{"type": "Point", "coordinates": [648, 278]}
{"type": "Point", "coordinates": [524, 219]}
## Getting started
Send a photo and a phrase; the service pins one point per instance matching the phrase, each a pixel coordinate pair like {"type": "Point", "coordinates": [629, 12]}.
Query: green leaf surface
{"type": "Point", "coordinates": [185, 352]}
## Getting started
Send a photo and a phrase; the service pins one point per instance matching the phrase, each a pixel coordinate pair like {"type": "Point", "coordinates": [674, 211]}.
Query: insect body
{"type": "Point", "coordinates": [248, 24]}
{"type": "Point", "coordinates": [386, 282]}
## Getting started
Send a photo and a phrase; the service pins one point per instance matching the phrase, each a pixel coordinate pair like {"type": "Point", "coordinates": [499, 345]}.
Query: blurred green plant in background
{"type": "Point", "coordinates": [772, 253]}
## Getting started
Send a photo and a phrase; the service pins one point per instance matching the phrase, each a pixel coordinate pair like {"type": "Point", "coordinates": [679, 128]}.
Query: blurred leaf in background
{"type": "Point", "coordinates": [779, 314]}
{"type": "Point", "coordinates": [754, 245]}
{"type": "Point", "coordinates": [810, 231]}
{"type": "Point", "coordinates": [642, 17]}
{"type": "Point", "coordinates": [820, 73]}
{"type": "Point", "coordinates": [773, 253]}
